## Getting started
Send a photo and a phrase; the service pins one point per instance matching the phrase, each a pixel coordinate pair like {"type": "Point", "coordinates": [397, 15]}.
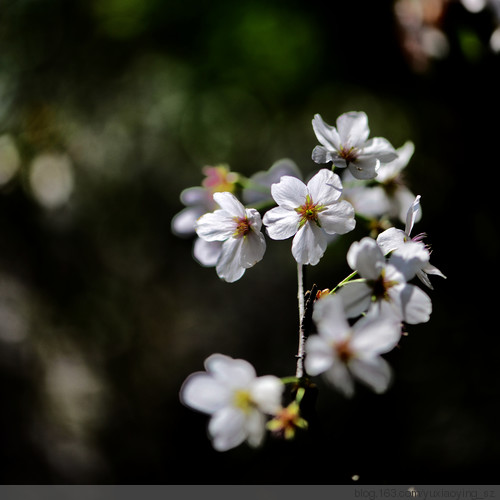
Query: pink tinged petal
{"type": "Point", "coordinates": [215, 226]}
{"type": "Point", "coordinates": [391, 239]}
{"type": "Point", "coordinates": [338, 375]}
{"type": "Point", "coordinates": [356, 298]}
{"type": "Point", "coordinates": [319, 355]}
{"type": "Point", "coordinates": [184, 222]}
{"type": "Point", "coordinates": [374, 372]}
{"type": "Point", "coordinates": [325, 187]}
{"type": "Point", "coordinates": [412, 214]}
{"type": "Point", "coordinates": [326, 134]}
{"type": "Point", "coordinates": [379, 148]}
{"type": "Point", "coordinates": [229, 371]}
{"type": "Point", "coordinates": [309, 244]}
{"type": "Point", "coordinates": [207, 253]}
{"type": "Point", "coordinates": [338, 218]}
{"type": "Point", "coordinates": [364, 168]}
{"type": "Point", "coordinates": [266, 393]}
{"type": "Point", "coordinates": [229, 266]}
{"type": "Point", "coordinates": [322, 155]}
{"type": "Point", "coordinates": [227, 429]}
{"type": "Point", "coordinates": [289, 193]}
{"type": "Point", "coordinates": [367, 258]}
{"type": "Point", "coordinates": [202, 392]}
{"type": "Point", "coordinates": [410, 258]}
{"type": "Point", "coordinates": [230, 204]}
{"type": "Point", "coordinates": [374, 334]}
{"type": "Point", "coordinates": [252, 249]}
{"type": "Point", "coordinates": [353, 128]}
{"type": "Point", "coordinates": [281, 223]}
{"type": "Point", "coordinates": [255, 427]}
{"type": "Point", "coordinates": [330, 319]}
{"type": "Point", "coordinates": [415, 304]}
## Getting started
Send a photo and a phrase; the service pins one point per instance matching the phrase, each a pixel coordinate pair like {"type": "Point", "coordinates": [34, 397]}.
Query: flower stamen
{"type": "Point", "coordinates": [243, 227]}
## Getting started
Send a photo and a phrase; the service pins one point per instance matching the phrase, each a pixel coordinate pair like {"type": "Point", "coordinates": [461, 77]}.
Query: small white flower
{"type": "Point", "coordinates": [387, 194]}
{"type": "Point", "coordinates": [384, 286]}
{"type": "Point", "coordinates": [341, 351]}
{"type": "Point", "coordinates": [236, 399]}
{"type": "Point", "coordinates": [395, 239]}
{"type": "Point", "coordinates": [239, 230]}
{"type": "Point", "coordinates": [348, 145]}
{"type": "Point", "coordinates": [309, 213]}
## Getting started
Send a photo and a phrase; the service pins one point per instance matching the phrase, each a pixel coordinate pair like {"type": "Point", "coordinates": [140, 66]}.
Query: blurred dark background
{"type": "Point", "coordinates": [108, 109]}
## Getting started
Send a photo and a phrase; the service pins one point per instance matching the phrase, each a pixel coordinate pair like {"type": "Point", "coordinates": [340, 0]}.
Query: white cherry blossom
{"type": "Point", "coordinates": [239, 230]}
{"type": "Point", "coordinates": [347, 145]}
{"type": "Point", "coordinates": [383, 287]}
{"type": "Point", "coordinates": [342, 352]}
{"type": "Point", "coordinates": [395, 239]}
{"type": "Point", "coordinates": [237, 400]}
{"type": "Point", "coordinates": [387, 194]}
{"type": "Point", "coordinates": [308, 213]}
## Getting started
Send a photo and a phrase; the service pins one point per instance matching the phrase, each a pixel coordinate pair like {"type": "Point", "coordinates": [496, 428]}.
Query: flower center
{"type": "Point", "coordinates": [348, 154]}
{"type": "Point", "coordinates": [308, 212]}
{"type": "Point", "coordinates": [243, 401]}
{"type": "Point", "coordinates": [243, 227]}
{"type": "Point", "coordinates": [344, 351]}
{"type": "Point", "coordinates": [381, 286]}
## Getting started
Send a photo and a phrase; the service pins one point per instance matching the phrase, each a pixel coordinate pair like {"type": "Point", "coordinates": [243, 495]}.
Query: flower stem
{"type": "Point", "coordinates": [344, 281]}
{"type": "Point", "coordinates": [300, 296]}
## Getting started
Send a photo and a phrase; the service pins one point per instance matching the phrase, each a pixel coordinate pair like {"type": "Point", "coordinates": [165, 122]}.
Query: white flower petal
{"type": "Point", "coordinates": [375, 334]}
{"type": "Point", "coordinates": [391, 239]}
{"type": "Point", "coordinates": [227, 428]}
{"type": "Point", "coordinates": [364, 168]}
{"type": "Point", "coordinates": [252, 249]}
{"type": "Point", "coordinates": [184, 222]}
{"type": "Point", "coordinates": [325, 187]}
{"type": "Point", "coordinates": [402, 199]}
{"type": "Point", "coordinates": [326, 134]}
{"type": "Point", "coordinates": [416, 305]}
{"type": "Point", "coordinates": [338, 218]}
{"type": "Point", "coordinates": [353, 128]}
{"type": "Point", "coordinates": [215, 226]}
{"type": "Point", "coordinates": [197, 196]}
{"type": "Point", "coordinates": [339, 376]}
{"type": "Point", "coordinates": [230, 204]}
{"type": "Point", "coordinates": [412, 215]}
{"type": "Point", "coordinates": [266, 393]}
{"type": "Point", "coordinates": [356, 298]}
{"type": "Point", "coordinates": [289, 193]}
{"type": "Point", "coordinates": [379, 148]}
{"type": "Point", "coordinates": [281, 223]}
{"type": "Point", "coordinates": [229, 371]}
{"type": "Point", "coordinates": [207, 253]}
{"type": "Point", "coordinates": [309, 244]}
{"type": "Point", "coordinates": [392, 169]}
{"type": "Point", "coordinates": [322, 155]}
{"type": "Point", "coordinates": [374, 372]}
{"type": "Point", "coordinates": [319, 355]}
{"type": "Point", "coordinates": [255, 426]}
{"type": "Point", "coordinates": [330, 319]}
{"type": "Point", "coordinates": [203, 393]}
{"type": "Point", "coordinates": [228, 266]}
{"type": "Point", "coordinates": [367, 258]}
{"type": "Point", "coordinates": [410, 258]}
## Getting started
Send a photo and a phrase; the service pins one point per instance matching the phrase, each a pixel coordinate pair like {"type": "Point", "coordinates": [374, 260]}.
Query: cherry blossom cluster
{"type": "Point", "coordinates": [343, 331]}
